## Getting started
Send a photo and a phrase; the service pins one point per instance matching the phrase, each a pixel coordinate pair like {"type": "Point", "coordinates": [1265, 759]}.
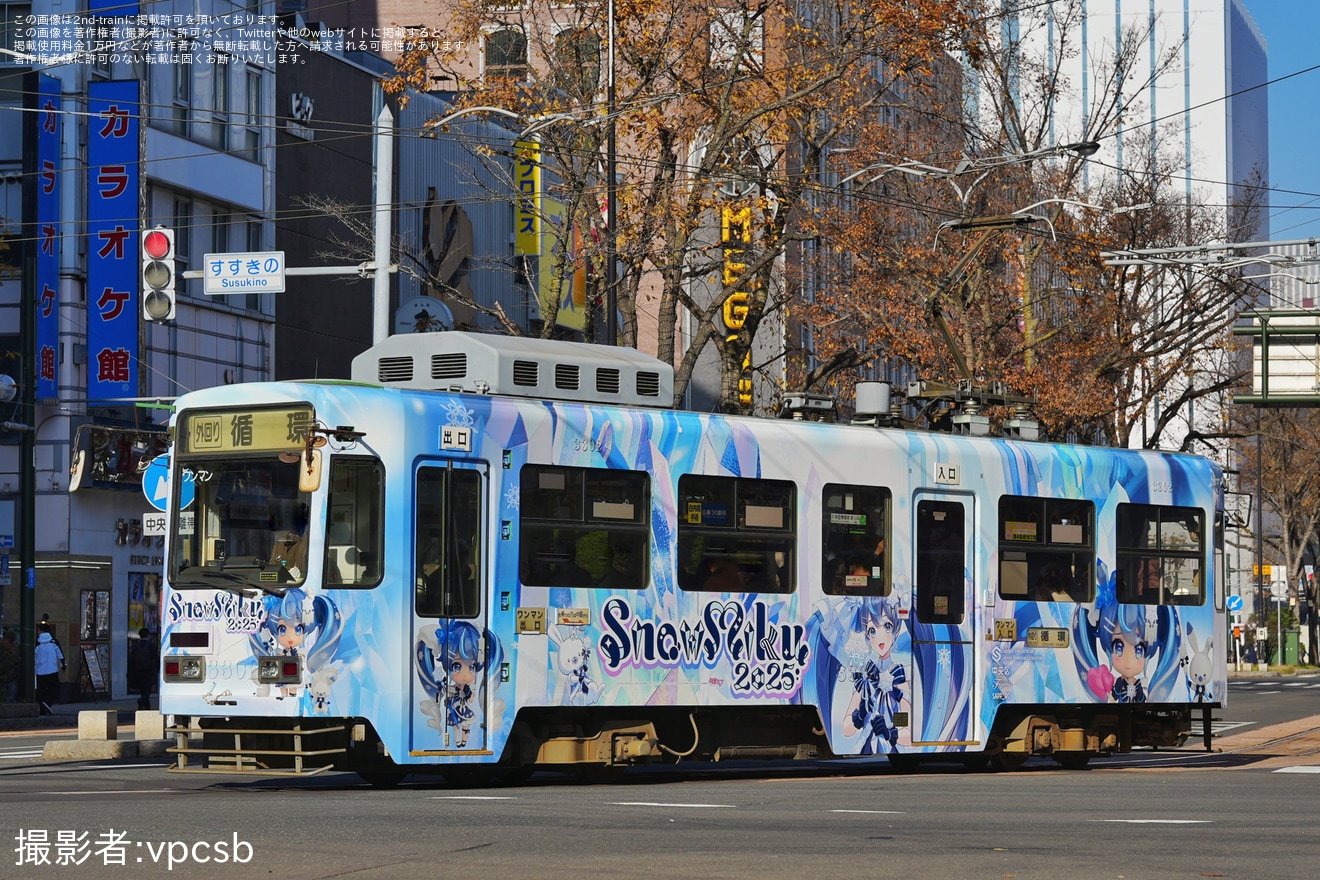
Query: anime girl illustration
{"type": "Point", "coordinates": [880, 688]}
{"type": "Point", "coordinates": [298, 626]}
{"type": "Point", "coordinates": [574, 665]}
{"type": "Point", "coordinates": [853, 644]}
{"type": "Point", "coordinates": [450, 660]}
{"type": "Point", "coordinates": [1124, 652]}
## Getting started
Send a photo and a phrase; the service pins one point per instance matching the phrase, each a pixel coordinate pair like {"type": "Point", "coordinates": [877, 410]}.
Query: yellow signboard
{"type": "Point", "coordinates": [257, 430]}
{"type": "Point", "coordinates": [1268, 570]}
{"type": "Point", "coordinates": [527, 219]}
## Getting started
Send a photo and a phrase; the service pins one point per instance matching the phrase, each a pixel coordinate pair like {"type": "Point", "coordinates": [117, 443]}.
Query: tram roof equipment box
{"type": "Point", "coordinates": [545, 369]}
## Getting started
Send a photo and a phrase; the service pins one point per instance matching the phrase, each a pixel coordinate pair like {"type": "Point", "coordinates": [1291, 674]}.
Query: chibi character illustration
{"type": "Point", "coordinates": [574, 665]}
{"type": "Point", "coordinates": [880, 687]}
{"type": "Point", "coordinates": [323, 680]}
{"type": "Point", "coordinates": [298, 626]}
{"type": "Point", "coordinates": [450, 663]}
{"type": "Point", "coordinates": [1124, 652]}
{"type": "Point", "coordinates": [1198, 666]}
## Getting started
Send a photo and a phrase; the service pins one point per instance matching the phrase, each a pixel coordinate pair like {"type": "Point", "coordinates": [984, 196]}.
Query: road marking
{"type": "Point", "coordinates": [8, 756]}
{"type": "Point", "coordinates": [1156, 821]}
{"type": "Point", "coordinates": [1297, 770]}
{"type": "Point", "coordinates": [1221, 727]}
{"type": "Point", "coordinates": [473, 797]}
{"type": "Point", "coordinates": [659, 804]}
{"type": "Point", "coordinates": [874, 812]}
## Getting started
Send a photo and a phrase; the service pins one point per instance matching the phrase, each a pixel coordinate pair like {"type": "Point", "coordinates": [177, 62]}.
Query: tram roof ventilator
{"type": "Point", "coordinates": [519, 366]}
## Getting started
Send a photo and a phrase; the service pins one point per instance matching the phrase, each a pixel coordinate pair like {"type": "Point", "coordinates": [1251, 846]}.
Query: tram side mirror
{"type": "Point", "coordinates": [309, 475]}
{"type": "Point", "coordinates": [76, 469]}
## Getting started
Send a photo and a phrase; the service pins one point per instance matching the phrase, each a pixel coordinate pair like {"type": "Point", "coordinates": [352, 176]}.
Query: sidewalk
{"type": "Point", "coordinates": [23, 716]}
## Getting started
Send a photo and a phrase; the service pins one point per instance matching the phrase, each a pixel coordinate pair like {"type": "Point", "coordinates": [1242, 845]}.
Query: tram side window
{"type": "Point", "coordinates": [584, 527]}
{"type": "Point", "coordinates": [449, 542]}
{"type": "Point", "coordinates": [736, 534]}
{"type": "Point", "coordinates": [355, 533]}
{"type": "Point", "coordinates": [856, 524]}
{"type": "Point", "coordinates": [1160, 555]}
{"type": "Point", "coordinates": [1046, 549]}
{"type": "Point", "coordinates": [941, 562]}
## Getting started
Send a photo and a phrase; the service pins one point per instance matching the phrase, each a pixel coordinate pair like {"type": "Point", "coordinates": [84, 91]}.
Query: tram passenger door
{"type": "Point", "coordinates": [943, 625]}
{"type": "Point", "coordinates": [451, 649]}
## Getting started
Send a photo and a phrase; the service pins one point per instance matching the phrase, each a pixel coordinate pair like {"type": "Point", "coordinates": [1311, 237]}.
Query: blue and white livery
{"type": "Point", "coordinates": [488, 555]}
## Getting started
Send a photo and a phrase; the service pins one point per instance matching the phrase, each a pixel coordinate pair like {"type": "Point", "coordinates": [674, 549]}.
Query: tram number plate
{"type": "Point", "coordinates": [1047, 637]}
{"type": "Point", "coordinates": [1005, 629]}
{"type": "Point", "coordinates": [531, 620]}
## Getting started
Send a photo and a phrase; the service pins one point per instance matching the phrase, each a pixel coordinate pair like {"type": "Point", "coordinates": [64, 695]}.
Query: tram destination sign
{"type": "Point", "coordinates": [254, 430]}
{"type": "Point", "coordinates": [252, 272]}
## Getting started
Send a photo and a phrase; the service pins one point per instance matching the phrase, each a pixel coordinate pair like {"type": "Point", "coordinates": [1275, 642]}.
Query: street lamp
{"type": "Point", "coordinates": [987, 225]}
{"type": "Point", "coordinates": [540, 123]}
{"type": "Point", "coordinates": [968, 165]}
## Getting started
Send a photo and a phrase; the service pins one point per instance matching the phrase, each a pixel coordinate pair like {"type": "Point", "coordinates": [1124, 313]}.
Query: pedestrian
{"type": "Point", "coordinates": [49, 660]}
{"type": "Point", "coordinates": [146, 666]}
{"type": "Point", "coordinates": [48, 627]}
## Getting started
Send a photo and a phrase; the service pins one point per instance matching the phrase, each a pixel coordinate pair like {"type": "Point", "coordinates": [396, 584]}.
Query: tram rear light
{"type": "Point", "coordinates": [290, 669]}
{"type": "Point", "coordinates": [171, 667]}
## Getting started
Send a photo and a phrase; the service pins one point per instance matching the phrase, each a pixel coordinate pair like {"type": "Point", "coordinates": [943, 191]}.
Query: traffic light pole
{"type": "Point", "coordinates": [1260, 545]}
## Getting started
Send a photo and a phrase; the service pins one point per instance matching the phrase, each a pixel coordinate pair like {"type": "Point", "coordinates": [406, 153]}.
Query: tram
{"type": "Point", "coordinates": [488, 555]}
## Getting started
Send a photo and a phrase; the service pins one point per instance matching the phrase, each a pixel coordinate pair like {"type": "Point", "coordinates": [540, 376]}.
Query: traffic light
{"type": "Point", "coordinates": [158, 274]}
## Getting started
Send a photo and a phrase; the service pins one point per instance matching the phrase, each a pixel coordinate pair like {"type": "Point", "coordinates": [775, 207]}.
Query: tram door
{"type": "Point", "coordinates": [943, 625]}
{"type": "Point", "coordinates": [451, 642]}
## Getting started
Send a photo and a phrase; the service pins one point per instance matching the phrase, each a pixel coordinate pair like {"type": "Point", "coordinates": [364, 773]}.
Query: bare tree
{"type": "Point", "coordinates": [723, 118]}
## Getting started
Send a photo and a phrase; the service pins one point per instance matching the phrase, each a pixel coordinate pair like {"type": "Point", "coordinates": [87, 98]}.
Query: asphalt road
{"type": "Point", "coordinates": [1245, 811]}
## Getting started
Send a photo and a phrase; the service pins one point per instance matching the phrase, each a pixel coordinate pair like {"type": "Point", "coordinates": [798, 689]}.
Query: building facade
{"type": "Point", "coordinates": [140, 118]}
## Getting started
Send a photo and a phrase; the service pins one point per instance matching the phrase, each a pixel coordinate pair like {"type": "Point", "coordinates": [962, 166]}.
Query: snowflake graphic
{"type": "Point", "coordinates": [945, 656]}
{"type": "Point", "coordinates": [512, 497]}
{"type": "Point", "coordinates": [458, 415]}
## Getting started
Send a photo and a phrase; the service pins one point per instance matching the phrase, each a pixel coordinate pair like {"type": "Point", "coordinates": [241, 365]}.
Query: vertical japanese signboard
{"type": "Point", "coordinates": [112, 239]}
{"type": "Point", "coordinates": [48, 237]}
{"type": "Point", "coordinates": [527, 175]}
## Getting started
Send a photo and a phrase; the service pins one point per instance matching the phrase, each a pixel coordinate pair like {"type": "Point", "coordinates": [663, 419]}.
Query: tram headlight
{"type": "Point", "coordinates": [185, 668]}
{"type": "Point", "coordinates": [279, 670]}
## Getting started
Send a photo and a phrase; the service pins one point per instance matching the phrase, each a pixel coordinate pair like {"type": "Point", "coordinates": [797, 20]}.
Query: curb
{"type": "Point", "coordinates": [103, 750]}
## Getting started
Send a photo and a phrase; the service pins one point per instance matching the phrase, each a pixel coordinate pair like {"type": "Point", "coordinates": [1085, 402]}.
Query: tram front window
{"type": "Point", "coordinates": [248, 524]}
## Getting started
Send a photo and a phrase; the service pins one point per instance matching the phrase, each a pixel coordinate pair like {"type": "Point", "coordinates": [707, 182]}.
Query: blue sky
{"type": "Point", "coordinates": [1292, 35]}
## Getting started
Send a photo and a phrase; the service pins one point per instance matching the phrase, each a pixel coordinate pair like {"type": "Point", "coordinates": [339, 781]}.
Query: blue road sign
{"type": "Point", "coordinates": [1235, 603]}
{"type": "Point", "coordinates": [156, 484]}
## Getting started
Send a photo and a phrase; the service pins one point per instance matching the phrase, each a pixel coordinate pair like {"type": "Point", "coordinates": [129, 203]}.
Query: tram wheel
{"type": "Point", "coordinates": [975, 761]}
{"type": "Point", "coordinates": [469, 777]}
{"type": "Point", "coordinates": [1006, 762]}
{"type": "Point", "coordinates": [381, 778]}
{"type": "Point", "coordinates": [516, 775]}
{"type": "Point", "coordinates": [1073, 760]}
{"type": "Point", "coordinates": [600, 774]}
{"type": "Point", "coordinates": [904, 763]}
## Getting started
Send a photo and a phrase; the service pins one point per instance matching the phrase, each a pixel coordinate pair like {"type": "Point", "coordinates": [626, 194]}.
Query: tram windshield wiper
{"type": "Point", "coordinates": [235, 584]}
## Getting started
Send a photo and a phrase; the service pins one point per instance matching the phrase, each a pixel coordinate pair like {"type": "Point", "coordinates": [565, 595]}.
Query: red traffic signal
{"type": "Point", "coordinates": [158, 274]}
{"type": "Point", "coordinates": [158, 244]}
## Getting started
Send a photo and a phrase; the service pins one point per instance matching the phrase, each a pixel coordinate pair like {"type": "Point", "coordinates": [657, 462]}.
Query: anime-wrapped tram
{"type": "Point", "coordinates": [488, 555]}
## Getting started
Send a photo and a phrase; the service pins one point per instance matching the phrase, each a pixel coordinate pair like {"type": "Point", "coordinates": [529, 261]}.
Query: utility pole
{"type": "Point", "coordinates": [611, 195]}
{"type": "Point", "coordinates": [380, 323]}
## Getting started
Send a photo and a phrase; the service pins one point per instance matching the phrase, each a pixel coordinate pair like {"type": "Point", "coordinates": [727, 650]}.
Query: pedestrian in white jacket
{"type": "Point", "coordinates": [49, 661]}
